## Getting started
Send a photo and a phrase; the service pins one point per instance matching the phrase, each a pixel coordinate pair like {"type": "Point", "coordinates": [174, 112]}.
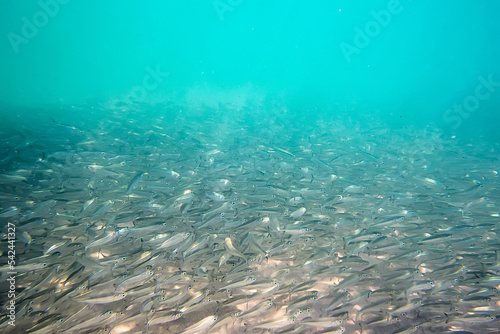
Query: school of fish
{"type": "Point", "coordinates": [248, 221]}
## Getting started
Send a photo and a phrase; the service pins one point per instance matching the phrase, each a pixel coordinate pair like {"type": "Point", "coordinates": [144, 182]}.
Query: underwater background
{"type": "Point", "coordinates": [329, 55]}
{"type": "Point", "coordinates": [162, 158]}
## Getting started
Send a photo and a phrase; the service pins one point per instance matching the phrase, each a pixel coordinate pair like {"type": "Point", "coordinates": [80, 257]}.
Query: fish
{"type": "Point", "coordinates": [216, 197]}
{"type": "Point", "coordinates": [132, 281]}
{"type": "Point", "coordinates": [239, 283]}
{"type": "Point", "coordinates": [276, 324]}
{"type": "Point", "coordinates": [231, 250]}
{"type": "Point", "coordinates": [174, 240]}
{"type": "Point", "coordinates": [103, 209]}
{"type": "Point", "coordinates": [201, 325]}
{"type": "Point", "coordinates": [9, 212]}
{"type": "Point", "coordinates": [104, 299]}
{"type": "Point", "coordinates": [161, 318]}
{"type": "Point", "coordinates": [284, 152]}
{"type": "Point", "coordinates": [149, 219]}
{"type": "Point", "coordinates": [298, 213]}
{"type": "Point", "coordinates": [134, 182]}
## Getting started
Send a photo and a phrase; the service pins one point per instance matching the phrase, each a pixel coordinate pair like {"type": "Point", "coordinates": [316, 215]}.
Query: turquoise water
{"type": "Point", "coordinates": [420, 60]}
{"type": "Point", "coordinates": [233, 166]}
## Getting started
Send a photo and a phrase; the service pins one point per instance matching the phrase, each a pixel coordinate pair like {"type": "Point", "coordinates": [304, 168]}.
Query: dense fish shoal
{"type": "Point", "coordinates": [248, 222]}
